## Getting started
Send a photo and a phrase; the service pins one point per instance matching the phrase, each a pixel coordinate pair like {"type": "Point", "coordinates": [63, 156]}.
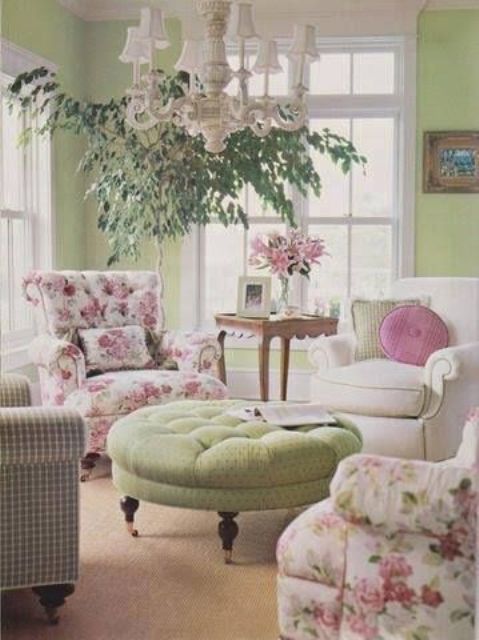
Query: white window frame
{"type": "Point", "coordinates": [38, 207]}
{"type": "Point", "coordinates": [402, 106]}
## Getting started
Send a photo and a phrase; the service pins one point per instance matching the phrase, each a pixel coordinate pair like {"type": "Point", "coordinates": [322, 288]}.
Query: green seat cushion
{"type": "Point", "coordinates": [194, 444]}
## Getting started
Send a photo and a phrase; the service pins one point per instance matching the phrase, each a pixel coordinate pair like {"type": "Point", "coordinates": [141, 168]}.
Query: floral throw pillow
{"type": "Point", "coordinates": [114, 349]}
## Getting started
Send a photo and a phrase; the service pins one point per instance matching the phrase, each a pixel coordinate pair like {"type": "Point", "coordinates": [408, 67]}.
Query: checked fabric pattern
{"type": "Point", "coordinates": [39, 454]}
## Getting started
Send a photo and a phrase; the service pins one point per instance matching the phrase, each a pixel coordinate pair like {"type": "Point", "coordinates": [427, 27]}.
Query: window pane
{"type": "Point", "coordinates": [223, 265]}
{"type": "Point", "coordinates": [4, 306]}
{"type": "Point", "coordinates": [373, 190]}
{"type": "Point", "coordinates": [328, 284]}
{"type": "Point", "coordinates": [371, 260]}
{"type": "Point", "coordinates": [373, 73]}
{"type": "Point", "coordinates": [334, 200]}
{"type": "Point", "coordinates": [12, 160]}
{"type": "Point", "coordinates": [331, 74]}
{"type": "Point", "coordinates": [21, 256]}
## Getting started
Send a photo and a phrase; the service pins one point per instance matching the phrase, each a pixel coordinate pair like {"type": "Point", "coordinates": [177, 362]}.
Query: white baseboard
{"type": "Point", "coordinates": [244, 383]}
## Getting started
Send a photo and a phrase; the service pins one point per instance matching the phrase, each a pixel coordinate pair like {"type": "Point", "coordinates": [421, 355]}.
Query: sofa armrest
{"type": "Point", "coordinates": [64, 364]}
{"type": "Point", "coordinates": [328, 352]}
{"type": "Point", "coordinates": [39, 435]}
{"type": "Point", "coordinates": [15, 391]}
{"type": "Point", "coordinates": [447, 365]}
{"type": "Point", "coordinates": [404, 495]}
{"type": "Point", "coordinates": [192, 351]}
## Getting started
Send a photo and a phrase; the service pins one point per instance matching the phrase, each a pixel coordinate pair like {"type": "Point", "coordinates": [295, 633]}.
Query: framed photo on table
{"type": "Point", "coordinates": [254, 297]}
{"type": "Point", "coordinates": [451, 162]}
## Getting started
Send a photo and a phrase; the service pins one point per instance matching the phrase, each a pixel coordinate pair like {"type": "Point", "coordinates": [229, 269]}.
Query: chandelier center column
{"type": "Point", "coordinates": [216, 72]}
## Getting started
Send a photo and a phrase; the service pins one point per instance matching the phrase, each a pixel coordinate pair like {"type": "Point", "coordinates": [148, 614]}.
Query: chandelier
{"type": "Point", "coordinates": [206, 108]}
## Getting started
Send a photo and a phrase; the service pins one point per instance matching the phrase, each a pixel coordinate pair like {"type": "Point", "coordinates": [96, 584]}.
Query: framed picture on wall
{"type": "Point", "coordinates": [254, 297]}
{"type": "Point", "coordinates": [451, 162]}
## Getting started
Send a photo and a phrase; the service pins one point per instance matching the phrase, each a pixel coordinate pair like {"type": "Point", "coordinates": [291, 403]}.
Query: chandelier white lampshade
{"type": "Point", "coordinates": [152, 27]}
{"type": "Point", "coordinates": [242, 21]}
{"type": "Point", "coordinates": [267, 60]}
{"type": "Point", "coordinates": [191, 56]}
{"type": "Point", "coordinates": [136, 48]}
{"type": "Point", "coordinates": [207, 108]}
{"type": "Point", "coordinates": [304, 42]}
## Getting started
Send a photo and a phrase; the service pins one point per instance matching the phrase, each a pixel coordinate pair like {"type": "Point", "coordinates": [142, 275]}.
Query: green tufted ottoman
{"type": "Point", "coordinates": [192, 454]}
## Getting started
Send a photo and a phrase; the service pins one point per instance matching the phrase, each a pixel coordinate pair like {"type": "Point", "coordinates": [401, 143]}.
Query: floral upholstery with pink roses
{"type": "Point", "coordinates": [116, 348]}
{"type": "Point", "coordinates": [390, 555]}
{"type": "Point", "coordinates": [70, 302]}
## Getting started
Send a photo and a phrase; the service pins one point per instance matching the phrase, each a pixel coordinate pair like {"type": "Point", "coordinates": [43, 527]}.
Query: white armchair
{"type": "Point", "coordinates": [405, 410]}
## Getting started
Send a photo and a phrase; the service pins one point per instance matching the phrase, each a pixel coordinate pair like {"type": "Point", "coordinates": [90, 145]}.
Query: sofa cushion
{"type": "Point", "coordinates": [115, 348]}
{"type": "Point", "coordinates": [121, 392]}
{"type": "Point", "coordinates": [374, 388]}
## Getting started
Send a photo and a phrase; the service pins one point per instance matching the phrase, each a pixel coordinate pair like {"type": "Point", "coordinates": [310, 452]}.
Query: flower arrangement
{"type": "Point", "coordinates": [284, 255]}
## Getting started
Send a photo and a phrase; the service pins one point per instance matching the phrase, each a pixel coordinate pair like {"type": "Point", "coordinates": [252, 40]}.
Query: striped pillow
{"type": "Point", "coordinates": [367, 316]}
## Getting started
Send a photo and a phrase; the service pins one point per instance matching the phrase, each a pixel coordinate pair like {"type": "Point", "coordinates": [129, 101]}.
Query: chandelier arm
{"type": "Point", "coordinates": [299, 117]}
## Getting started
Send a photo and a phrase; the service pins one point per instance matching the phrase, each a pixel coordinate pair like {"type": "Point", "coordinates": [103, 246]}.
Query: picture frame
{"type": "Point", "coordinates": [451, 162]}
{"type": "Point", "coordinates": [254, 297]}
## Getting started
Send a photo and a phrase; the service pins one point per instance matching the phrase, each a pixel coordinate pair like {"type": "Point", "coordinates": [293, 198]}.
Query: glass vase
{"type": "Point", "coordinates": [283, 300]}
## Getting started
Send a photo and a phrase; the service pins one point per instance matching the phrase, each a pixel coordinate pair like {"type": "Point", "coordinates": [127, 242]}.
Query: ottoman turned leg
{"type": "Point", "coordinates": [87, 464]}
{"type": "Point", "coordinates": [52, 596]}
{"type": "Point", "coordinates": [228, 530]}
{"type": "Point", "coordinates": [129, 506]}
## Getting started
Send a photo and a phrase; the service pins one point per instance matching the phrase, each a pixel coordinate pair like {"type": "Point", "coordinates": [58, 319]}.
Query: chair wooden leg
{"type": "Point", "coordinates": [87, 464]}
{"type": "Point", "coordinates": [52, 596]}
{"type": "Point", "coordinates": [228, 530]}
{"type": "Point", "coordinates": [129, 505]}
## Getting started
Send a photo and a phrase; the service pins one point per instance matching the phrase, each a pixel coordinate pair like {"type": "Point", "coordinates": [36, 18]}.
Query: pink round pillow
{"type": "Point", "coordinates": [410, 333]}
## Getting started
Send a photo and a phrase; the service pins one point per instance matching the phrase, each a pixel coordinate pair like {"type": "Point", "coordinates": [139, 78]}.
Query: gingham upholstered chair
{"type": "Point", "coordinates": [390, 555]}
{"type": "Point", "coordinates": [70, 302]}
{"type": "Point", "coordinates": [40, 450]}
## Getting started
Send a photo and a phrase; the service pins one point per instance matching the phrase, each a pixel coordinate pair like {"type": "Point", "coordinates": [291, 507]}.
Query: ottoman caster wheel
{"type": "Point", "coordinates": [228, 530]}
{"type": "Point", "coordinates": [129, 505]}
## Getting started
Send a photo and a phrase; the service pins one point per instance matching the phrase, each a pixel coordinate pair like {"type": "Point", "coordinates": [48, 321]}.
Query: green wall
{"type": "Point", "coordinates": [447, 226]}
{"type": "Point", "coordinates": [49, 30]}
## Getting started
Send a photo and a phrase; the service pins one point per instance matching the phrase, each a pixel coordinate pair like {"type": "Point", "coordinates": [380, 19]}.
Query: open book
{"type": "Point", "coordinates": [285, 415]}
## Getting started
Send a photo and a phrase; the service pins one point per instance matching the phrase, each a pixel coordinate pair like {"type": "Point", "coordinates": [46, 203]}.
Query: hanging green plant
{"type": "Point", "coordinates": [160, 183]}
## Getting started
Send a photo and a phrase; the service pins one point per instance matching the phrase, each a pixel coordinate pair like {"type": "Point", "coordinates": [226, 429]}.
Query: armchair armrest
{"type": "Point", "coordinates": [62, 361]}
{"type": "Point", "coordinates": [445, 365]}
{"type": "Point", "coordinates": [38, 435]}
{"type": "Point", "coordinates": [404, 495]}
{"type": "Point", "coordinates": [14, 391]}
{"type": "Point", "coordinates": [332, 351]}
{"type": "Point", "coordinates": [192, 351]}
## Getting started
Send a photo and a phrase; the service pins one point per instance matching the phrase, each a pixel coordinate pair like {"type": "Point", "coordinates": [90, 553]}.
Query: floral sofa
{"type": "Point", "coordinates": [125, 304]}
{"type": "Point", "coordinates": [390, 555]}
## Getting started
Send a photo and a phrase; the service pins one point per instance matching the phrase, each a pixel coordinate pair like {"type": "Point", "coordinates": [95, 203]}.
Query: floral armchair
{"type": "Point", "coordinates": [390, 555]}
{"type": "Point", "coordinates": [68, 302]}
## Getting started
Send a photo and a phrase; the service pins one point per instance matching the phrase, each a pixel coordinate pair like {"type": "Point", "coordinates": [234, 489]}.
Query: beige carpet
{"type": "Point", "coordinates": [168, 584]}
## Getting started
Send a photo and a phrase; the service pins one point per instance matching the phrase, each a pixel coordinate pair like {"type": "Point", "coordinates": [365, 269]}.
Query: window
{"type": "Point", "coordinates": [356, 90]}
{"type": "Point", "coordinates": [25, 231]}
